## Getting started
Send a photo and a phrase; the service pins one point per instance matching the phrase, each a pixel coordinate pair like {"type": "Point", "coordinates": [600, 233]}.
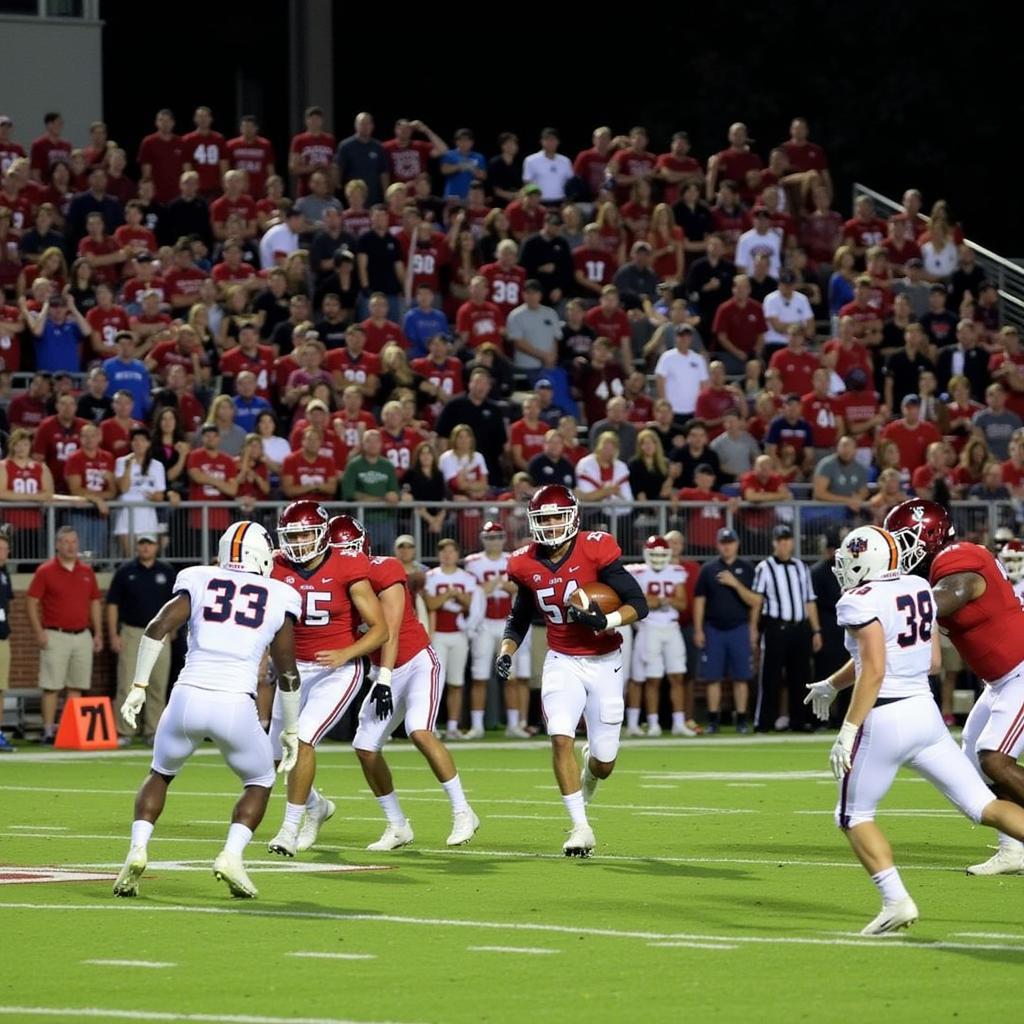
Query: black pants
{"type": "Point", "coordinates": [785, 654]}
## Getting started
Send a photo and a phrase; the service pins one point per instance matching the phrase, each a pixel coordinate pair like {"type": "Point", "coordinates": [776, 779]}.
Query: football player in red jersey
{"type": "Point", "coordinates": [582, 673]}
{"type": "Point", "coordinates": [407, 688]}
{"type": "Point", "coordinates": [977, 606]}
{"type": "Point", "coordinates": [336, 594]}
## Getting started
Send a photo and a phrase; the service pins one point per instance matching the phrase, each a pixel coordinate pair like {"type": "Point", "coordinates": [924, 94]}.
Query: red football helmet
{"type": "Point", "coordinates": [921, 529]}
{"type": "Point", "coordinates": [553, 515]}
{"type": "Point", "coordinates": [1011, 554]}
{"type": "Point", "coordinates": [301, 518]}
{"type": "Point", "coordinates": [657, 552]}
{"type": "Point", "coordinates": [492, 531]}
{"type": "Point", "coordinates": [346, 533]}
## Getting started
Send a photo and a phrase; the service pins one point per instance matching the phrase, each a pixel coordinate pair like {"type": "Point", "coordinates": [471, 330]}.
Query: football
{"type": "Point", "coordinates": [604, 597]}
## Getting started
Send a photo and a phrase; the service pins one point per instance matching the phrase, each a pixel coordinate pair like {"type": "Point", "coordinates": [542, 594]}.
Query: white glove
{"type": "Point", "coordinates": [820, 696]}
{"type": "Point", "coordinates": [289, 750]}
{"type": "Point", "coordinates": [841, 755]}
{"type": "Point", "coordinates": [133, 705]}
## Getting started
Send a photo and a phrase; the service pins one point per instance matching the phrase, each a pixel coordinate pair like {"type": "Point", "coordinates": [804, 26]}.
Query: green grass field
{"type": "Point", "coordinates": [720, 891]}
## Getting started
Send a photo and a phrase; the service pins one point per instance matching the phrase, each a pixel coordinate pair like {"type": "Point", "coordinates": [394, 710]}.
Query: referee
{"type": "Point", "coordinates": [789, 619]}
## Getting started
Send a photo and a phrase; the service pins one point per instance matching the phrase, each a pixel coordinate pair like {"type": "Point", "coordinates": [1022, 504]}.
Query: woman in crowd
{"type": "Point", "coordinates": [275, 449]}
{"type": "Point", "coordinates": [960, 411]}
{"type": "Point", "coordinates": [53, 267]}
{"type": "Point", "coordinates": [666, 243]}
{"type": "Point", "coordinates": [887, 456]}
{"type": "Point", "coordinates": [395, 373]}
{"type": "Point", "coordinates": [496, 229]}
{"type": "Point", "coordinates": [840, 284]}
{"type": "Point", "coordinates": [890, 493]}
{"type": "Point", "coordinates": [648, 469]}
{"type": "Point", "coordinates": [169, 447]}
{"type": "Point", "coordinates": [238, 313]}
{"type": "Point", "coordinates": [141, 482]}
{"type": "Point", "coordinates": [974, 457]}
{"type": "Point", "coordinates": [939, 253]}
{"type": "Point", "coordinates": [27, 482]}
{"type": "Point", "coordinates": [465, 472]}
{"type": "Point", "coordinates": [222, 416]}
{"type": "Point", "coordinates": [424, 482]}
{"type": "Point", "coordinates": [602, 480]}
{"type": "Point", "coordinates": [253, 478]}
{"type": "Point", "coordinates": [611, 233]}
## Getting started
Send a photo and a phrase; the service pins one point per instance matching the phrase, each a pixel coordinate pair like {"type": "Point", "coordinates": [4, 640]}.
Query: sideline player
{"type": "Point", "coordinates": [490, 568]}
{"type": "Point", "coordinates": [583, 669]}
{"type": "Point", "coordinates": [893, 720]}
{"type": "Point", "coordinates": [335, 592]}
{"type": "Point", "coordinates": [233, 612]}
{"type": "Point", "coordinates": [976, 604]}
{"type": "Point", "coordinates": [407, 688]}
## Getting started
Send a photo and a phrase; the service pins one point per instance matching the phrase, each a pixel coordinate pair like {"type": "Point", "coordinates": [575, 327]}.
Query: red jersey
{"type": "Point", "coordinates": [107, 322]}
{"type": "Point", "coordinates": [596, 265]}
{"type": "Point", "coordinates": [614, 326]}
{"type": "Point", "coordinates": [9, 152]}
{"type": "Point", "coordinates": [321, 473]}
{"type": "Point", "coordinates": [425, 260]}
{"type": "Point", "coordinates": [355, 370]}
{"type": "Point", "coordinates": [134, 287]}
{"type": "Point", "coordinates": [857, 356]}
{"type": "Point", "coordinates": [898, 254]}
{"type": "Point", "coordinates": [412, 637]}
{"type": "Point", "coordinates": [641, 410]}
{"type": "Point", "coordinates": [687, 165]}
{"type": "Point", "coordinates": [713, 404]}
{"type": "Point", "coordinates": [26, 411]}
{"type": "Point", "coordinates": [759, 517]}
{"type": "Point", "coordinates": [261, 363]}
{"type": "Point", "coordinates": [21, 209]}
{"type": "Point", "coordinates": [590, 165]}
{"type": "Point", "coordinates": [734, 165]}
{"type": "Point", "coordinates": [730, 224]}
{"type": "Point", "coordinates": [857, 407]}
{"type": "Point", "coordinates": [226, 275]}
{"type": "Point", "coordinates": [506, 286]}
{"type": "Point", "coordinates": [65, 595]}
{"type": "Point", "coordinates": [168, 354]}
{"type": "Point", "coordinates": [482, 322]}
{"type": "Point", "coordinates": [219, 466]}
{"type": "Point", "coordinates": [378, 335]}
{"type": "Point", "coordinates": [866, 233]}
{"type": "Point", "coordinates": [105, 246]}
{"type": "Point", "coordinates": [255, 157]}
{"type": "Point", "coordinates": [224, 207]}
{"type": "Point", "coordinates": [1013, 476]}
{"type": "Point", "coordinates": [316, 150]}
{"type": "Point", "coordinates": [398, 448]}
{"type": "Point", "coordinates": [530, 438]}
{"type": "Point", "coordinates": [805, 156]}
{"type": "Point", "coordinates": [742, 325]}
{"type": "Point", "coordinates": [632, 162]}
{"type": "Point", "coordinates": [406, 162]}
{"type": "Point", "coordinates": [352, 430]}
{"type": "Point", "coordinates": [166, 156]}
{"type": "Point", "coordinates": [114, 438]}
{"type": "Point", "coordinates": [820, 413]}
{"type": "Point", "coordinates": [91, 468]}
{"type": "Point", "coordinates": [10, 344]}
{"type": "Point", "coordinates": [45, 152]}
{"type": "Point", "coordinates": [140, 238]}
{"type": "Point", "coordinates": [23, 480]}
{"type": "Point", "coordinates": [706, 521]}
{"type": "Point", "coordinates": [329, 620]}
{"type": "Point", "coordinates": [484, 569]}
{"type": "Point", "coordinates": [54, 443]}
{"type": "Point", "coordinates": [523, 221]}
{"type": "Point", "coordinates": [912, 441]}
{"type": "Point", "coordinates": [332, 444]}
{"type": "Point", "coordinates": [589, 553]}
{"type": "Point", "coordinates": [355, 222]}
{"type": "Point", "coordinates": [447, 375]}
{"type": "Point", "coordinates": [204, 152]}
{"type": "Point", "coordinates": [185, 282]}
{"type": "Point", "coordinates": [988, 631]}
{"type": "Point", "coordinates": [797, 369]}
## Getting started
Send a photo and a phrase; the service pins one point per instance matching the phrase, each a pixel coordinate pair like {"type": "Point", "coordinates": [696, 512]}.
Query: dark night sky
{"type": "Point", "coordinates": [909, 94]}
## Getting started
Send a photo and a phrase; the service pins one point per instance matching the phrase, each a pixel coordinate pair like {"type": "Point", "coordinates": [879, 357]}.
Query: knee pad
{"type": "Point", "coordinates": [852, 820]}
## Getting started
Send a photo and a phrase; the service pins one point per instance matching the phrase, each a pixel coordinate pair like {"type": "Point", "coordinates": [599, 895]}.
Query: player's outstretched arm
{"type": "Point", "coordinates": [172, 616]}
{"type": "Point", "coordinates": [952, 592]}
{"type": "Point", "coordinates": [365, 602]}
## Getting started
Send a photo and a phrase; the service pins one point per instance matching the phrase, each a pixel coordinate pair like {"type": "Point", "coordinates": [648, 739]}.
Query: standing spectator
{"type": "Point", "coordinates": [862, 413]}
{"type": "Point", "coordinates": [796, 366]}
{"type": "Point", "coordinates": [704, 522]}
{"type": "Point", "coordinates": [408, 157]}
{"type": "Point", "coordinates": [648, 470]}
{"type": "Point", "coordinates": [212, 480]}
{"type": "Point", "coordinates": [115, 431]}
{"type": "Point", "coordinates": [724, 628]}
{"type": "Point", "coordinates": [142, 483]}
{"type": "Point", "coordinates": [603, 481]}
{"type": "Point", "coordinates": [709, 280]}
{"type": "Point", "coordinates": [616, 421]}
{"type": "Point", "coordinates": [821, 231]}
{"type": "Point", "coordinates": [89, 475]}
{"type": "Point", "coordinates": [29, 409]}
{"type": "Point", "coordinates": [204, 153]}
{"type": "Point", "coordinates": [49, 149]}
{"type": "Point", "coordinates": [547, 168]}
{"type": "Point", "coordinates": [361, 157]}
{"type": "Point", "coordinates": [57, 438]}
{"type": "Point", "coordinates": [939, 464]}
{"type": "Point", "coordinates": [718, 398]}
{"type": "Point", "coordinates": [371, 479]}
{"type": "Point", "coordinates": [281, 238]}
{"type": "Point", "coordinates": [762, 238]}
{"type": "Point", "coordinates": [969, 277]}
{"type": "Point", "coordinates": [311, 151]}
{"type": "Point", "coordinates": [822, 412]}
{"type": "Point", "coordinates": [479, 320]}
{"type": "Point", "coordinates": [310, 471]}
{"type": "Point", "coordinates": [505, 171]}
{"type": "Point", "coordinates": [59, 330]}
{"type": "Point", "coordinates": [739, 326]}
{"type": "Point", "coordinates": [527, 435]}
{"type": "Point", "coordinates": [784, 307]}
{"type": "Point", "coordinates": [903, 368]}
{"type": "Point", "coordinates": [680, 373]}
{"type": "Point", "coordinates": [248, 405]}
{"type": "Point", "coordinates": [236, 201]}
{"type": "Point", "coordinates": [966, 359]}
{"type": "Point", "coordinates": [546, 257]}
{"type": "Point", "coordinates": [900, 246]}
{"type": "Point", "coordinates": [591, 164]}
{"type": "Point", "coordinates": [693, 452]}
{"type": "Point", "coordinates": [250, 152]}
{"type": "Point", "coordinates": [788, 620]}
{"type": "Point", "coordinates": [101, 252]}
{"type": "Point", "coordinates": [461, 166]}
{"type": "Point", "coordinates": [608, 320]}
{"type": "Point", "coordinates": [6, 597]}
{"type": "Point", "coordinates": [735, 448]}
{"type": "Point", "coordinates": [162, 157]}
{"type": "Point", "coordinates": [996, 424]}
{"type": "Point", "coordinates": [95, 199]}
{"type": "Point", "coordinates": [596, 378]}
{"type": "Point", "coordinates": [482, 415]}
{"type": "Point", "coordinates": [230, 436]}
{"type": "Point", "coordinates": [63, 603]}
{"type": "Point", "coordinates": [551, 466]}
{"type": "Point", "coordinates": [912, 434]}
{"type": "Point", "coordinates": [534, 330]}
{"type": "Point", "coordinates": [864, 230]}
{"type": "Point", "coordinates": [762, 487]}
{"type": "Point", "coordinates": [676, 169]}
{"type": "Point", "coordinates": [637, 280]}
{"type": "Point", "coordinates": [939, 322]}
{"type": "Point", "coordinates": [9, 149]}
{"type": "Point", "coordinates": [25, 481]}
{"type": "Point", "coordinates": [125, 372]}
{"type": "Point", "coordinates": [380, 265]}
{"type": "Point", "coordinates": [841, 479]}
{"type": "Point", "coordinates": [138, 590]}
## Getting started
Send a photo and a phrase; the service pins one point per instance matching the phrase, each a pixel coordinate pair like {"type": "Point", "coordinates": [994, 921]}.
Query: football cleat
{"type": "Point", "coordinates": [474, 734]}
{"type": "Point", "coordinates": [464, 826]}
{"type": "Point", "coordinates": [452, 735]}
{"type": "Point", "coordinates": [686, 729]}
{"type": "Point", "coordinates": [581, 842]}
{"type": "Point", "coordinates": [228, 868]}
{"type": "Point", "coordinates": [311, 823]}
{"type": "Point", "coordinates": [1005, 861]}
{"type": "Point", "coordinates": [127, 883]}
{"type": "Point", "coordinates": [285, 843]}
{"type": "Point", "coordinates": [893, 917]}
{"type": "Point", "coordinates": [516, 732]}
{"type": "Point", "coordinates": [654, 729]}
{"type": "Point", "coordinates": [588, 780]}
{"type": "Point", "coordinates": [394, 838]}
{"type": "Point", "coordinates": [634, 731]}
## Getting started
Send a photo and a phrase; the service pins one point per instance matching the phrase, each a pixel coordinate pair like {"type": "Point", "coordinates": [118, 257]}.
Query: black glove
{"type": "Point", "coordinates": [591, 616]}
{"type": "Point", "coordinates": [504, 667]}
{"type": "Point", "coordinates": [383, 703]}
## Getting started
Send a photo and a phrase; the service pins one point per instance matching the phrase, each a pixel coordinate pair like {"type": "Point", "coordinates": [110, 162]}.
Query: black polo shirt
{"type": "Point", "coordinates": [6, 597]}
{"type": "Point", "coordinates": [139, 593]}
{"type": "Point", "coordinates": [382, 253]}
{"type": "Point", "coordinates": [543, 471]}
{"type": "Point", "coordinates": [725, 608]}
{"type": "Point", "coordinates": [488, 425]}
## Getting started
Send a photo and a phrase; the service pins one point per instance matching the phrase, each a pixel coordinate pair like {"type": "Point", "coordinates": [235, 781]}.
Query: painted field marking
{"type": "Point", "coordinates": [746, 785]}
{"type": "Point", "coordinates": [518, 926]}
{"type": "Point", "coordinates": [313, 955]}
{"type": "Point", "coordinates": [155, 964]}
{"type": "Point", "coordinates": [264, 867]}
{"type": "Point", "coordinates": [525, 950]}
{"type": "Point", "coordinates": [650, 786]}
{"type": "Point", "coordinates": [40, 828]}
{"type": "Point", "coordinates": [104, 1013]}
{"type": "Point", "coordinates": [689, 945]}
{"type": "Point", "coordinates": [988, 935]}
{"type": "Point", "coordinates": [12, 875]}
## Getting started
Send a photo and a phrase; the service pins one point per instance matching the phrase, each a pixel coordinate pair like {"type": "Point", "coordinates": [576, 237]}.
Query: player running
{"type": "Point", "coordinates": [583, 669]}
{"type": "Point", "coordinates": [893, 720]}
{"type": "Point", "coordinates": [977, 606]}
{"type": "Point", "coordinates": [336, 594]}
{"type": "Point", "coordinates": [233, 612]}
{"type": "Point", "coordinates": [407, 688]}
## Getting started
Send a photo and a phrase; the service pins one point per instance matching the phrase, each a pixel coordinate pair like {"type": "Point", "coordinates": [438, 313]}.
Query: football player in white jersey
{"type": "Point", "coordinates": [234, 612]}
{"type": "Point", "coordinates": [490, 568]}
{"type": "Point", "coordinates": [893, 720]}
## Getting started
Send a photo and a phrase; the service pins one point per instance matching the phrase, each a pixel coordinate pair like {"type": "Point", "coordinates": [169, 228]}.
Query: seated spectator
{"type": "Point", "coordinates": [527, 435]}
{"type": "Point", "coordinates": [602, 480]}
{"type": "Point", "coordinates": [899, 245]}
{"type": "Point", "coordinates": [735, 448]}
{"type": "Point", "coordinates": [640, 407]}
{"type": "Point", "coordinates": [551, 466]}
{"type": "Point", "coordinates": [704, 522]}
{"type": "Point", "coordinates": [933, 405]}
{"type": "Point", "coordinates": [762, 284]}
{"type": "Point", "coordinates": [550, 412]}
{"type": "Point", "coordinates": [795, 364]}
{"type": "Point", "coordinates": [961, 410]}
{"type": "Point", "coordinates": [649, 477]}
{"type": "Point", "coordinates": [230, 436]}
{"type": "Point", "coordinates": [248, 405]}
{"type": "Point", "coordinates": [841, 478]}
{"type": "Point", "coordinates": [42, 235]}
{"type": "Point", "coordinates": [760, 238]}
{"type": "Point", "coordinates": [762, 487]}
{"type": "Point", "coordinates": [717, 398]}
{"type": "Point", "coordinates": [616, 422]}
{"type": "Point", "coordinates": [995, 423]}
{"type": "Point", "coordinates": [987, 312]}
{"type": "Point", "coordinates": [865, 312]}
{"type": "Point", "coordinates": [890, 493]}
{"type": "Point", "coordinates": [396, 373]}
{"type": "Point", "coordinates": [309, 472]}
{"type": "Point", "coordinates": [786, 308]}
{"type": "Point", "coordinates": [597, 379]}
{"type": "Point", "coordinates": [739, 326]}
{"type": "Point", "coordinates": [441, 369]}
{"type": "Point", "coordinates": [574, 449]}
{"type": "Point", "coordinates": [423, 321]}
{"type": "Point", "coordinates": [993, 486]}
{"type": "Point", "coordinates": [126, 372]}
{"type": "Point", "coordinates": [911, 433]}
{"type": "Point", "coordinates": [691, 453]}
{"type": "Point", "coordinates": [862, 413]}
{"type": "Point", "coordinates": [903, 367]}
{"type": "Point", "coordinates": [939, 323]}
{"type": "Point", "coordinates": [664, 337]}
{"type": "Point", "coordinates": [680, 373]}
{"type": "Point", "coordinates": [864, 229]}
{"type": "Point", "coordinates": [182, 349]}
{"type": "Point", "coordinates": [150, 325]}
{"type": "Point", "coordinates": [790, 428]}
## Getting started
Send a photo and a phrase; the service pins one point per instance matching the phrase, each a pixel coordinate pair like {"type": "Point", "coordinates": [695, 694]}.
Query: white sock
{"type": "Point", "coordinates": [453, 726]}
{"type": "Point", "coordinates": [890, 885]}
{"type": "Point", "coordinates": [141, 831]}
{"type": "Point", "coordinates": [1009, 843]}
{"type": "Point", "coordinates": [632, 718]}
{"type": "Point", "coordinates": [238, 838]}
{"type": "Point", "coordinates": [293, 816]}
{"type": "Point", "coordinates": [392, 808]}
{"type": "Point", "coordinates": [652, 720]}
{"type": "Point", "coordinates": [476, 719]}
{"type": "Point", "coordinates": [574, 805]}
{"type": "Point", "coordinates": [453, 787]}
{"type": "Point", "coordinates": [313, 800]}
{"type": "Point", "coordinates": [512, 718]}
{"type": "Point", "coordinates": [678, 719]}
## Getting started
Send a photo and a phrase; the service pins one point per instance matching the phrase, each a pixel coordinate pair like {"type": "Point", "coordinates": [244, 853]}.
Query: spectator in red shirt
{"type": "Point", "coordinates": [609, 320]}
{"type": "Point", "coordinates": [378, 328]}
{"type": "Point", "coordinates": [807, 159]}
{"type": "Point", "coordinates": [236, 200]}
{"type": "Point", "coordinates": [162, 157]}
{"type": "Point", "coordinates": [865, 314]}
{"type": "Point", "coordinates": [597, 379]}
{"type": "Point", "coordinates": [506, 277]}
{"type": "Point", "coordinates": [132, 235]}
{"type": "Point", "coordinates": [821, 231]}
{"type": "Point", "coordinates": [717, 398]}
{"type": "Point", "coordinates": [479, 321]}
{"type": "Point", "coordinates": [234, 270]}
{"type": "Point", "coordinates": [106, 319]}
{"type": "Point", "coordinates": [49, 149]}
{"type": "Point", "coordinates": [249, 354]}
{"type": "Point", "coordinates": [900, 245]}
{"type": "Point", "coordinates": [641, 405]}
{"type": "Point", "coordinates": [736, 163]}
{"type": "Point", "coordinates": [58, 437]}
{"type": "Point", "coordinates": [845, 352]}
{"type": "Point", "coordinates": [526, 214]}
{"type": "Point", "coordinates": [591, 164]}
{"type": "Point", "coordinates": [633, 163]}
{"type": "Point", "coordinates": [822, 411]}
{"type": "Point", "coordinates": [307, 472]}
{"type": "Point", "coordinates": [311, 150]}
{"type": "Point", "coordinates": [9, 149]}
{"type": "Point", "coordinates": [205, 153]}
{"type": "Point", "coordinates": [762, 487]}
{"type": "Point", "coordinates": [739, 326]}
{"type": "Point", "coordinates": [251, 152]}
{"type": "Point", "coordinates": [101, 252]}
{"type": "Point", "coordinates": [89, 474]}
{"type": "Point", "coordinates": [149, 323]}
{"type": "Point", "coordinates": [409, 157]}
{"type": "Point", "coordinates": [115, 431]}
{"type": "Point", "coordinates": [864, 230]}
{"type": "Point", "coordinates": [526, 435]}
{"type": "Point", "coordinates": [213, 480]}
{"type": "Point", "coordinates": [940, 460]}
{"type": "Point", "coordinates": [704, 523]}
{"type": "Point", "coordinates": [594, 267]}
{"type": "Point", "coordinates": [676, 168]}
{"type": "Point", "coordinates": [184, 280]}
{"type": "Point", "coordinates": [912, 434]}
{"type": "Point", "coordinates": [795, 364]}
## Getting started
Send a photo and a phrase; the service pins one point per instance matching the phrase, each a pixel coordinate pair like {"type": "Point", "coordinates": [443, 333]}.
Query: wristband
{"type": "Point", "coordinates": [149, 651]}
{"type": "Point", "coordinates": [384, 676]}
{"type": "Point", "coordinates": [848, 732]}
{"type": "Point", "coordinates": [289, 709]}
{"type": "Point", "coordinates": [614, 620]}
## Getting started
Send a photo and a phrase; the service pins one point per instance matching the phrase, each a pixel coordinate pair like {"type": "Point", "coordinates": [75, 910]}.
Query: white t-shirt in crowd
{"type": "Point", "coordinates": [794, 310]}
{"type": "Point", "coordinates": [684, 372]}
{"type": "Point", "coordinates": [751, 245]}
{"type": "Point", "coordinates": [549, 173]}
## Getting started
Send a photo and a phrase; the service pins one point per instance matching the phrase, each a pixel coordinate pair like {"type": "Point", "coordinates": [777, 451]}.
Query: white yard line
{"type": "Point", "coordinates": [40, 828]}
{"type": "Point", "coordinates": [988, 935]}
{"type": "Point", "coordinates": [313, 955]}
{"type": "Point", "coordinates": [130, 963]}
{"type": "Point", "coordinates": [525, 950]}
{"type": "Point", "coordinates": [689, 945]}
{"type": "Point", "coordinates": [104, 1013]}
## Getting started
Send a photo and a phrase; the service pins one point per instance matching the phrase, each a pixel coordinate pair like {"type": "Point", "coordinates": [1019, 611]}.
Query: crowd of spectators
{"type": "Point", "coordinates": [203, 319]}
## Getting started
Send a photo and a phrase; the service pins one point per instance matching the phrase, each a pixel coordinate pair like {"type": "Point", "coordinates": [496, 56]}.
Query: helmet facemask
{"type": "Point", "coordinates": [553, 525]}
{"type": "Point", "coordinates": [302, 542]}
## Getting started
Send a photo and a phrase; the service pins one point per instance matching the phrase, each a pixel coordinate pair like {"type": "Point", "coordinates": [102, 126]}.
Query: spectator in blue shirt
{"type": "Point", "coordinates": [361, 157]}
{"type": "Point", "coordinates": [462, 166]}
{"type": "Point", "coordinates": [126, 373]}
{"type": "Point", "coordinates": [423, 321]}
{"type": "Point", "coordinates": [791, 428]}
{"type": "Point", "coordinates": [248, 405]}
{"type": "Point", "coordinates": [59, 329]}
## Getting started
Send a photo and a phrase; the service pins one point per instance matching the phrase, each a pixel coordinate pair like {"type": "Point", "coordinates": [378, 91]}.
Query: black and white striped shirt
{"type": "Point", "coordinates": [786, 587]}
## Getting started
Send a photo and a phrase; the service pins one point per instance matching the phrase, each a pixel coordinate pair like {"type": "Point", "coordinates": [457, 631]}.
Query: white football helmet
{"type": "Point", "coordinates": [657, 552]}
{"type": "Point", "coordinates": [247, 547]}
{"type": "Point", "coordinates": [1012, 556]}
{"type": "Point", "coordinates": [867, 553]}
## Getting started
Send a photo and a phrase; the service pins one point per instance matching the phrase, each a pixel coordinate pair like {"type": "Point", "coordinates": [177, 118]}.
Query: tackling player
{"type": "Point", "coordinates": [583, 669]}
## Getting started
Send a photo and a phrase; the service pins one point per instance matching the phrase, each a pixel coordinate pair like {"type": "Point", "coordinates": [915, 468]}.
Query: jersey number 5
{"type": "Point", "coordinates": [223, 592]}
{"type": "Point", "coordinates": [555, 610]}
{"type": "Point", "coordinates": [920, 615]}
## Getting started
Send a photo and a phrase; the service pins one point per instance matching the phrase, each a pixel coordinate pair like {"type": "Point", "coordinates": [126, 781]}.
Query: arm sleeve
{"type": "Point", "coordinates": [521, 616]}
{"type": "Point", "coordinates": [625, 585]}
